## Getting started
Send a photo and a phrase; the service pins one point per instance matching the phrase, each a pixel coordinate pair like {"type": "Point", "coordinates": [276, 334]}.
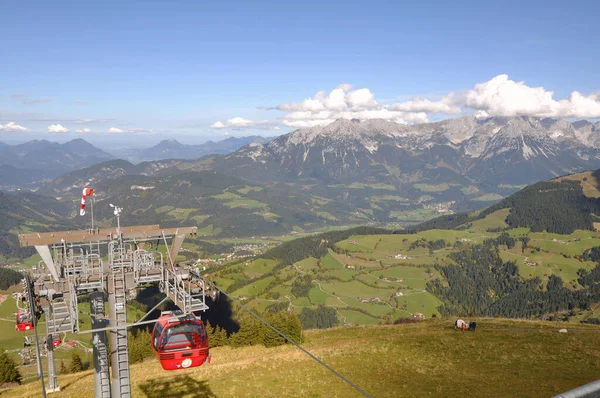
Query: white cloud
{"type": "Point", "coordinates": [12, 126]}
{"type": "Point", "coordinates": [498, 96]}
{"type": "Point", "coordinates": [501, 96]}
{"type": "Point", "coordinates": [344, 102]}
{"type": "Point", "coordinates": [84, 131]}
{"type": "Point", "coordinates": [57, 128]}
{"type": "Point", "coordinates": [361, 99]}
{"type": "Point", "coordinates": [117, 130]}
{"type": "Point", "coordinates": [424, 105]}
{"type": "Point", "coordinates": [217, 125]}
{"type": "Point", "coordinates": [240, 123]}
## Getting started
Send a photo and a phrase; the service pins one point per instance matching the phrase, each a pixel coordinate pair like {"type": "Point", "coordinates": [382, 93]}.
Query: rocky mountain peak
{"type": "Point", "coordinates": [346, 130]}
{"type": "Point", "coordinates": [348, 148]}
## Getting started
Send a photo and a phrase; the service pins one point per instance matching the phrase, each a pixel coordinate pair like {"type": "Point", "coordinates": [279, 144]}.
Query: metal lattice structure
{"type": "Point", "coordinates": [108, 262]}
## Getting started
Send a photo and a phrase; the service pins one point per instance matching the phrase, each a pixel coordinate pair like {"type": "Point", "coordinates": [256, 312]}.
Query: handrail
{"type": "Point", "coordinates": [590, 390]}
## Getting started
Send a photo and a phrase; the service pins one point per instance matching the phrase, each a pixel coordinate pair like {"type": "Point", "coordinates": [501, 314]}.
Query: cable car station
{"type": "Point", "coordinates": [112, 263]}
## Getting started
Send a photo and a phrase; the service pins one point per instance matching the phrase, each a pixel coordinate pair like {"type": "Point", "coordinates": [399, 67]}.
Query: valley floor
{"type": "Point", "coordinates": [503, 358]}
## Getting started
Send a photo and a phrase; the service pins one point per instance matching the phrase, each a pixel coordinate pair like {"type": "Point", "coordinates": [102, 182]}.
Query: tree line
{"type": "Point", "coordinates": [9, 277]}
{"type": "Point", "coordinates": [557, 207]}
{"type": "Point", "coordinates": [316, 245]}
{"type": "Point", "coordinates": [318, 318]}
{"type": "Point", "coordinates": [251, 332]}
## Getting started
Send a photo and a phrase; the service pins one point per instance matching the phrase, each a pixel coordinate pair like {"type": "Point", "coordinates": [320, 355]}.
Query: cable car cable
{"type": "Point", "coordinates": [335, 372]}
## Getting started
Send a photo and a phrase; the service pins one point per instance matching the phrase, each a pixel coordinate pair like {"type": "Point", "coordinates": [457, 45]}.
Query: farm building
{"type": "Point", "coordinates": [402, 257]}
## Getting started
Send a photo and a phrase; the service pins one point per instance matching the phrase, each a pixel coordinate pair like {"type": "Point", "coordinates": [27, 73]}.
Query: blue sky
{"type": "Point", "coordinates": [174, 68]}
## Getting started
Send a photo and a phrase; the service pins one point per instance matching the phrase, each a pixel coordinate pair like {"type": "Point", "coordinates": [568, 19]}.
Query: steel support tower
{"type": "Point", "coordinates": [101, 366]}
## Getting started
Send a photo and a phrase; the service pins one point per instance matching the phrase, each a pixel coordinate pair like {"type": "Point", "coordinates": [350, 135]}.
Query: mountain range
{"type": "Point", "coordinates": [26, 165]}
{"type": "Point", "coordinates": [39, 160]}
{"type": "Point", "coordinates": [173, 149]}
{"type": "Point", "coordinates": [372, 171]}
{"type": "Point", "coordinates": [492, 151]}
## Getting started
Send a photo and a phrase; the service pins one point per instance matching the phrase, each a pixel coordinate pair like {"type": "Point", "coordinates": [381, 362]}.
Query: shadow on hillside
{"type": "Point", "coordinates": [596, 175]}
{"type": "Point", "coordinates": [176, 387]}
{"type": "Point", "coordinates": [219, 313]}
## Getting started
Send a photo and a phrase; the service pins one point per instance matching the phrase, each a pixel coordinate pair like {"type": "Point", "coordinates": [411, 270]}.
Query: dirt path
{"type": "Point", "coordinates": [321, 288]}
{"type": "Point", "coordinates": [331, 294]}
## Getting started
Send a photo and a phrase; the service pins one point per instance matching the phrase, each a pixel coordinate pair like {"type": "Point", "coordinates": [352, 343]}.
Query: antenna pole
{"type": "Point", "coordinates": [92, 205]}
{"type": "Point", "coordinates": [118, 211]}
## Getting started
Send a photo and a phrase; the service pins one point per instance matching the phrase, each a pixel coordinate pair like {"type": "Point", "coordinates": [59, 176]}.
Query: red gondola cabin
{"type": "Point", "coordinates": [180, 342]}
{"type": "Point", "coordinates": [56, 340]}
{"type": "Point", "coordinates": [24, 321]}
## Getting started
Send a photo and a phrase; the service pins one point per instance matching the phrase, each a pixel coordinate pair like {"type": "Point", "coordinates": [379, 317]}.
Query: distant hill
{"type": "Point", "coordinates": [73, 182]}
{"type": "Point", "coordinates": [27, 210]}
{"type": "Point", "coordinates": [11, 176]}
{"type": "Point", "coordinates": [39, 160]}
{"type": "Point", "coordinates": [173, 149]}
{"type": "Point", "coordinates": [221, 205]}
{"type": "Point", "coordinates": [561, 205]}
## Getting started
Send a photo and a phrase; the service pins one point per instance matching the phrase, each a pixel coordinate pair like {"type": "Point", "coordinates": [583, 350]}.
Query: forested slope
{"type": "Point", "coordinates": [481, 283]}
{"type": "Point", "coordinates": [557, 206]}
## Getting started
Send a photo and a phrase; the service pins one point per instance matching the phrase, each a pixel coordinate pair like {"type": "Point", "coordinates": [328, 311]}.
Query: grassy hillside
{"type": "Point", "coordinates": [371, 279]}
{"type": "Point", "coordinates": [26, 212]}
{"type": "Point", "coordinates": [502, 358]}
{"type": "Point", "coordinates": [220, 205]}
{"type": "Point", "coordinates": [588, 181]}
